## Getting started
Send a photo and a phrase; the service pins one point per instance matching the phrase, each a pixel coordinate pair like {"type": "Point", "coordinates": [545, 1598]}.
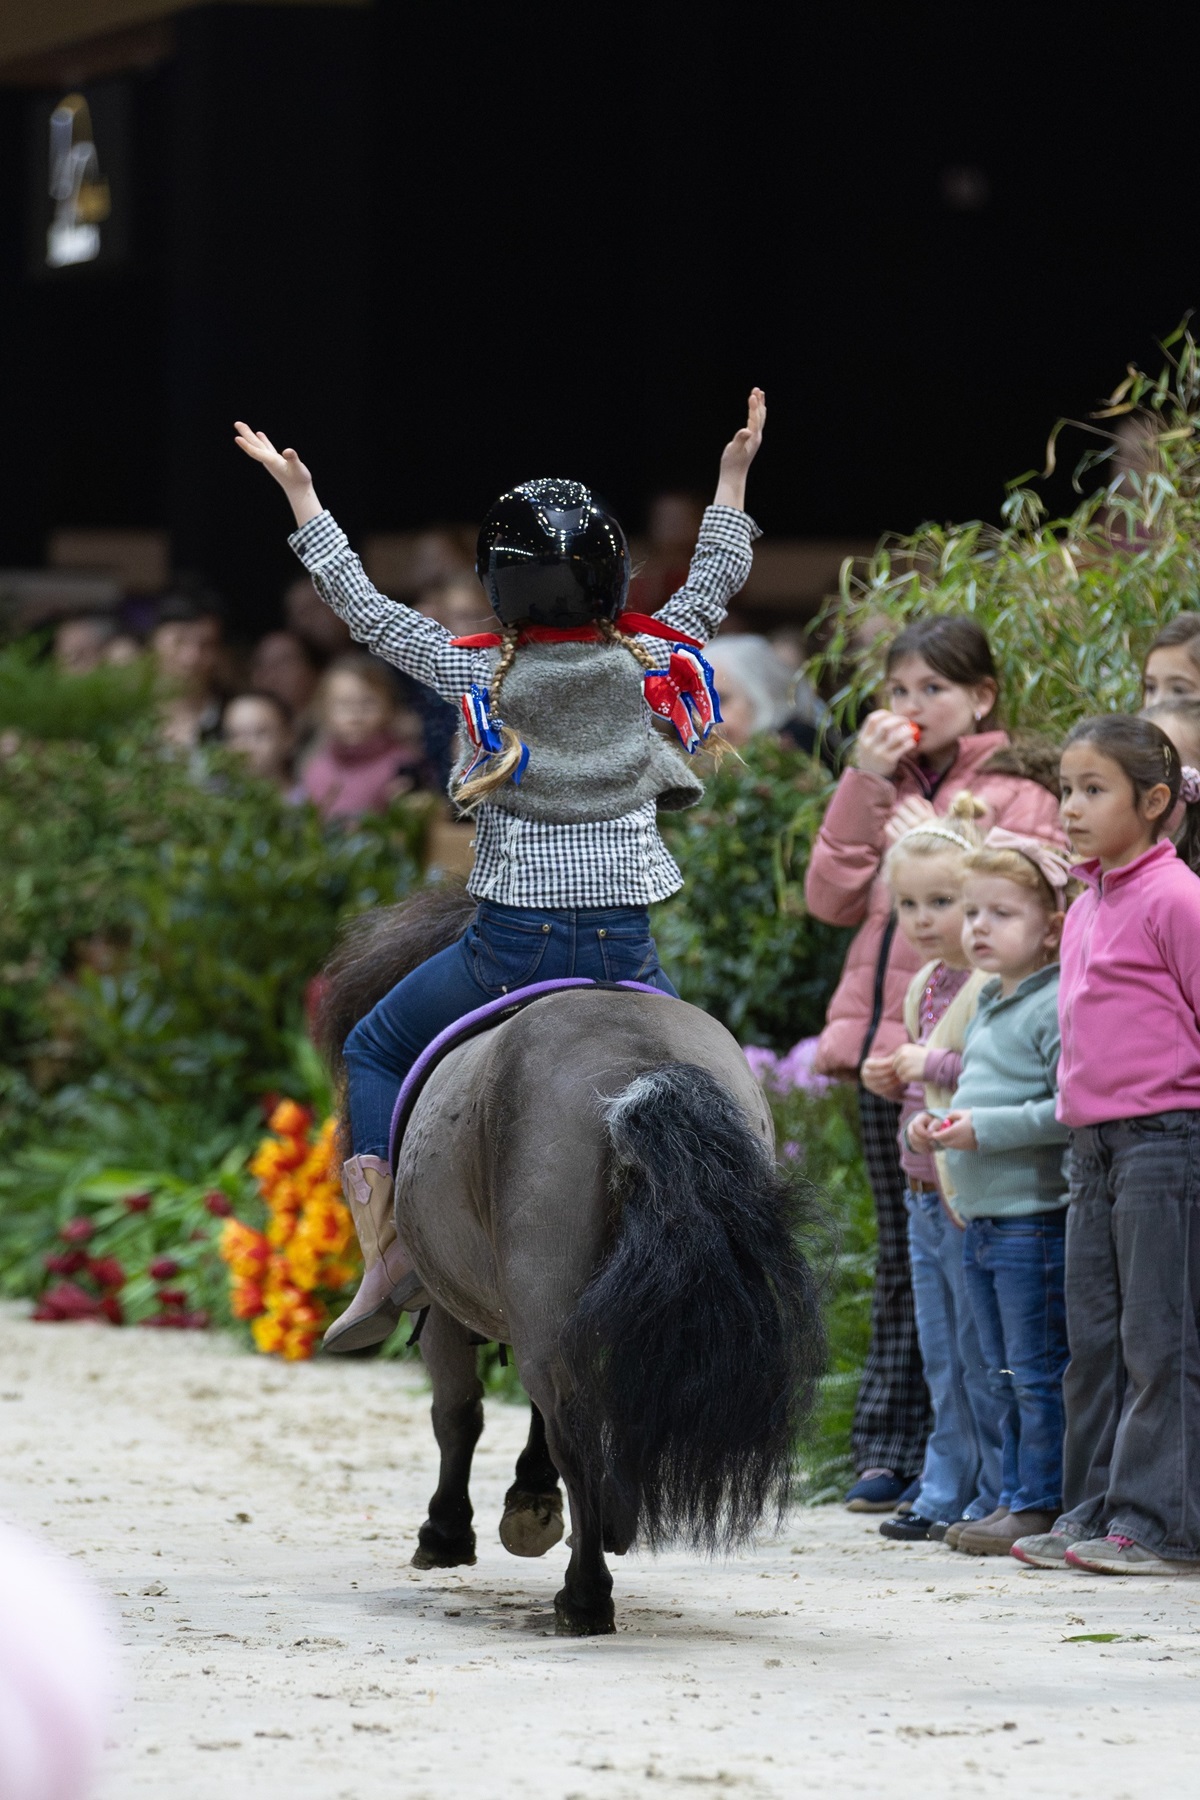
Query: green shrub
{"type": "Point", "coordinates": [39, 701]}
{"type": "Point", "coordinates": [1070, 605]}
{"type": "Point", "coordinates": [159, 923]}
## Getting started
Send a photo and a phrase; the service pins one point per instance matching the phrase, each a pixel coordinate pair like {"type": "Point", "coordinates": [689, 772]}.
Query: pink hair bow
{"type": "Point", "coordinates": [1046, 857]}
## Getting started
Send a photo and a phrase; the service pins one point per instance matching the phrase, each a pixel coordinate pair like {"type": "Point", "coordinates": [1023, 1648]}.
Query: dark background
{"type": "Point", "coordinates": [442, 249]}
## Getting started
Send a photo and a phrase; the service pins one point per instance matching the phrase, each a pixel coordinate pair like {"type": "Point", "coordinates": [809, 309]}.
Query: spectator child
{"type": "Point", "coordinates": [1172, 669]}
{"type": "Point", "coordinates": [1180, 719]}
{"type": "Point", "coordinates": [258, 727]}
{"type": "Point", "coordinates": [370, 751]}
{"type": "Point", "coordinates": [961, 1474]}
{"type": "Point", "coordinates": [1004, 1149]}
{"type": "Point", "coordinates": [80, 643]}
{"type": "Point", "coordinates": [186, 643]}
{"type": "Point", "coordinates": [941, 735]}
{"type": "Point", "coordinates": [284, 665]}
{"type": "Point", "coordinates": [1130, 1092]}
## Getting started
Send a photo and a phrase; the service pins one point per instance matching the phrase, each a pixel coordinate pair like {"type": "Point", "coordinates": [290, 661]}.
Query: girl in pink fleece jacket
{"type": "Point", "coordinates": [940, 736]}
{"type": "Point", "coordinates": [1129, 1088]}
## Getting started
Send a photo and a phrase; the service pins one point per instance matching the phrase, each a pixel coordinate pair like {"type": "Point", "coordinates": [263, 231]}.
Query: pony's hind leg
{"type": "Point", "coordinates": [447, 1538]}
{"type": "Point", "coordinates": [533, 1513]}
{"type": "Point", "coordinates": [583, 1606]}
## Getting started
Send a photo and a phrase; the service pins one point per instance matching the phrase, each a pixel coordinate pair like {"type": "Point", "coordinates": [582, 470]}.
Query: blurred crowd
{"type": "Point", "coordinates": [328, 723]}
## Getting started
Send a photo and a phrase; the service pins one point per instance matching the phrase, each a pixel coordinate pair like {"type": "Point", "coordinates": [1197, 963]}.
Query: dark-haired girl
{"type": "Point", "coordinates": [1172, 670]}
{"type": "Point", "coordinates": [564, 772]}
{"type": "Point", "coordinates": [1129, 1088]}
{"type": "Point", "coordinates": [939, 736]}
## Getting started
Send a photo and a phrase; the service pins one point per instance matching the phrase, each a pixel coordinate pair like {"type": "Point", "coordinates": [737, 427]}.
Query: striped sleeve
{"type": "Point", "coordinates": [720, 567]}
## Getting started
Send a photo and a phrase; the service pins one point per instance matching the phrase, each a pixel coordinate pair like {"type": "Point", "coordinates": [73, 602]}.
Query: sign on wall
{"type": "Point", "coordinates": [79, 198]}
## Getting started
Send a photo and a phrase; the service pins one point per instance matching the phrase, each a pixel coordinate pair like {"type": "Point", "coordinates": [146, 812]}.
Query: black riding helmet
{"type": "Point", "coordinates": [548, 555]}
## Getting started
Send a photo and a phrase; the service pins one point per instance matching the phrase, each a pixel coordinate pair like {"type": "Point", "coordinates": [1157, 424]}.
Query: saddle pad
{"type": "Point", "coordinates": [482, 1019]}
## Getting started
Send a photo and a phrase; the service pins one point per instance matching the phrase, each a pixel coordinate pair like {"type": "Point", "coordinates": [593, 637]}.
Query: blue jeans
{"type": "Point", "coordinates": [1014, 1271]}
{"type": "Point", "coordinates": [505, 947]}
{"type": "Point", "coordinates": [962, 1473]}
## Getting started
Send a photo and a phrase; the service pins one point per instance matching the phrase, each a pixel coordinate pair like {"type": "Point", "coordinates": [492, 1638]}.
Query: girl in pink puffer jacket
{"type": "Point", "coordinates": [939, 737]}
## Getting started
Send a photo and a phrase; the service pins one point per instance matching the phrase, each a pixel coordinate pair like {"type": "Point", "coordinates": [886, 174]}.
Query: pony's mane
{"type": "Point", "coordinates": [377, 950]}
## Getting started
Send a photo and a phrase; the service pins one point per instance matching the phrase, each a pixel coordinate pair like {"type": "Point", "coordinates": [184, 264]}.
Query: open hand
{"type": "Point", "coordinates": [955, 1132]}
{"type": "Point", "coordinates": [910, 815]}
{"type": "Point", "coordinates": [285, 467]}
{"type": "Point", "coordinates": [883, 743]}
{"type": "Point", "coordinates": [740, 452]}
{"type": "Point", "coordinates": [879, 1077]}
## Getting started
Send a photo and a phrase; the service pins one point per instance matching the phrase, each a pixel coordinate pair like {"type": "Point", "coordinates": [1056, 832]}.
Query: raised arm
{"type": "Point", "coordinates": [406, 639]}
{"type": "Point", "coordinates": [722, 558]}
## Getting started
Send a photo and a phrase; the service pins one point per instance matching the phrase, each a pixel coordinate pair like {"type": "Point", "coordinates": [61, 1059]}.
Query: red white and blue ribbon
{"type": "Point", "coordinates": [685, 692]}
{"type": "Point", "coordinates": [484, 735]}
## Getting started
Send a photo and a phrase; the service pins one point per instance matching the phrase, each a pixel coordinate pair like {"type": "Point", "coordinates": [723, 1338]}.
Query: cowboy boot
{"type": "Point", "coordinates": [390, 1285]}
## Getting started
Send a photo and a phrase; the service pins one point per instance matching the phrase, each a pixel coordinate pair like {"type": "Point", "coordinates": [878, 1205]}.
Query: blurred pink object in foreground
{"type": "Point", "coordinates": [55, 1675]}
{"type": "Point", "coordinates": [794, 1069]}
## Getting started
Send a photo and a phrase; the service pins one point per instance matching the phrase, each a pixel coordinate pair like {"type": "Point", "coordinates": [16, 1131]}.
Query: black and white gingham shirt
{"type": "Point", "coordinates": [526, 862]}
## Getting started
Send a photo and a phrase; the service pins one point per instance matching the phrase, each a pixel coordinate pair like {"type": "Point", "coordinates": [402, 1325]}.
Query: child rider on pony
{"type": "Point", "coordinates": [561, 766]}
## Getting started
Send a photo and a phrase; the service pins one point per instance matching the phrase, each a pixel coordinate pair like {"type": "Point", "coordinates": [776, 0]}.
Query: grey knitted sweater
{"type": "Point", "coordinates": [593, 751]}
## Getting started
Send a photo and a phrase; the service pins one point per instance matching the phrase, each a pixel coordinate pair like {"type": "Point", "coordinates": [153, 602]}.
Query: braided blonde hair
{"type": "Point", "coordinates": [497, 770]}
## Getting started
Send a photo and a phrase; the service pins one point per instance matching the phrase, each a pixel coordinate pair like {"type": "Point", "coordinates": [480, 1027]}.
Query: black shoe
{"type": "Point", "coordinates": [905, 1503]}
{"type": "Point", "coordinates": [910, 1527]}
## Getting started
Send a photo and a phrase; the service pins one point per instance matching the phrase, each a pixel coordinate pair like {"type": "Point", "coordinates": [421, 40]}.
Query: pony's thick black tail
{"type": "Point", "coordinates": [696, 1347]}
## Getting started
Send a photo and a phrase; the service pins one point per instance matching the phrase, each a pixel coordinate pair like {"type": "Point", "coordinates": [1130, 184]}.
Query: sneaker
{"type": "Point", "coordinates": [1043, 1549]}
{"type": "Point", "coordinates": [876, 1490]}
{"type": "Point", "coordinates": [911, 1528]}
{"type": "Point", "coordinates": [996, 1537]}
{"type": "Point", "coordinates": [955, 1531]}
{"type": "Point", "coordinates": [1117, 1555]}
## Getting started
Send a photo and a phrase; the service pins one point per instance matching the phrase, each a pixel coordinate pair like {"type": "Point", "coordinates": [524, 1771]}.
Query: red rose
{"type": "Point", "coordinates": [163, 1267]}
{"type": "Point", "coordinates": [106, 1272]}
{"type": "Point", "coordinates": [68, 1263]}
{"type": "Point", "coordinates": [136, 1203]}
{"type": "Point", "coordinates": [195, 1321]}
{"type": "Point", "coordinates": [67, 1301]}
{"type": "Point", "coordinates": [77, 1231]}
{"type": "Point", "coordinates": [219, 1204]}
{"type": "Point", "coordinates": [112, 1309]}
{"type": "Point", "coordinates": [171, 1297]}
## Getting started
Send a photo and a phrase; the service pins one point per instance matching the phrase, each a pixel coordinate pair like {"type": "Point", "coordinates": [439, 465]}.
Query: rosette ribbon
{"type": "Point", "coordinates": [483, 734]}
{"type": "Point", "coordinates": [685, 692]}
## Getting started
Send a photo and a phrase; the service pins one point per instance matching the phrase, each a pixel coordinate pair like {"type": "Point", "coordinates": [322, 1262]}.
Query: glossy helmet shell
{"type": "Point", "coordinates": [548, 555]}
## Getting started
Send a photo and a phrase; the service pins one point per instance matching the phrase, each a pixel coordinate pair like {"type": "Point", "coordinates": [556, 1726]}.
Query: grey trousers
{"type": "Point", "coordinates": [1132, 1387]}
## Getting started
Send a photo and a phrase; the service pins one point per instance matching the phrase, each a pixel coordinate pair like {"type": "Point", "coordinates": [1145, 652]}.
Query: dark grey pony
{"type": "Point", "coordinates": [593, 1182]}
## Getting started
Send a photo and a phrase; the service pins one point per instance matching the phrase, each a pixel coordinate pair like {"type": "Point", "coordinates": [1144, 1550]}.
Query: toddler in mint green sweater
{"type": "Point", "coordinates": [1004, 1150]}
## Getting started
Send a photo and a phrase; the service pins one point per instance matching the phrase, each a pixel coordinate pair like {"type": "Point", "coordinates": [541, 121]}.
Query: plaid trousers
{"type": "Point", "coordinates": [891, 1414]}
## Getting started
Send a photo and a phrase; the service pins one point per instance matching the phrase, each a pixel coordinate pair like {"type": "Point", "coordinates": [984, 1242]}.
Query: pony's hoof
{"type": "Point", "coordinates": [432, 1554]}
{"type": "Point", "coordinates": [532, 1523]}
{"type": "Point", "coordinates": [569, 1621]}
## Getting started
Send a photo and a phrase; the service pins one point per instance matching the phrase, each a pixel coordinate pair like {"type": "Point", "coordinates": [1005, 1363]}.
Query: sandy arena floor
{"type": "Point", "coordinates": [252, 1524]}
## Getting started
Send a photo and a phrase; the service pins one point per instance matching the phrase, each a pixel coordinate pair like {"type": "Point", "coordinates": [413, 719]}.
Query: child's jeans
{"type": "Point", "coordinates": [505, 947]}
{"type": "Point", "coordinates": [1013, 1269]}
{"type": "Point", "coordinates": [962, 1471]}
{"type": "Point", "coordinates": [1133, 1308]}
